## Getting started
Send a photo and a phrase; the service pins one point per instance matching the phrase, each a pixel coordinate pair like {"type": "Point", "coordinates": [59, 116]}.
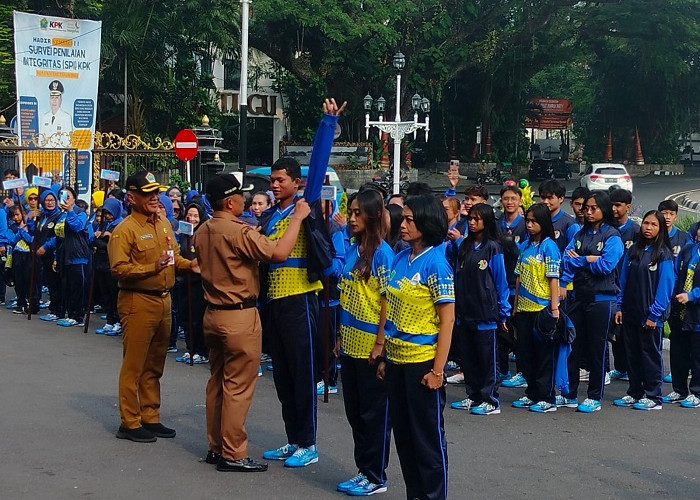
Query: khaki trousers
{"type": "Point", "coordinates": [145, 330]}
{"type": "Point", "coordinates": [234, 339]}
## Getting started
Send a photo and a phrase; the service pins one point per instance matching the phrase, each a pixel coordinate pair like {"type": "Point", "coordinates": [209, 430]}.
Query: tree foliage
{"type": "Point", "coordinates": [625, 65]}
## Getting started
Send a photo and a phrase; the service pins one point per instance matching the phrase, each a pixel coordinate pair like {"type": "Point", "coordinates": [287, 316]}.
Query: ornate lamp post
{"type": "Point", "coordinates": [398, 129]}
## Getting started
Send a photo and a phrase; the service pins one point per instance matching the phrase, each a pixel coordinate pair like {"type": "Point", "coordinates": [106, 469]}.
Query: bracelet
{"type": "Point", "coordinates": [437, 374]}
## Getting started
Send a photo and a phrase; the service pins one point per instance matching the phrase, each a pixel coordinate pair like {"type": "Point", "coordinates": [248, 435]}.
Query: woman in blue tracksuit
{"type": "Point", "coordinates": [646, 285]}
{"type": "Point", "coordinates": [590, 262]}
{"type": "Point", "coordinates": [481, 294]}
{"type": "Point", "coordinates": [72, 252]}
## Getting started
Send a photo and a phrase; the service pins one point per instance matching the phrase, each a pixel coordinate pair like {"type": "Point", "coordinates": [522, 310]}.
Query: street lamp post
{"type": "Point", "coordinates": [398, 129]}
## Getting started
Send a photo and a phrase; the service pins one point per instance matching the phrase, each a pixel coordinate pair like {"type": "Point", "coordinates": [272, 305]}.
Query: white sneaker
{"type": "Point", "coordinates": [457, 378]}
{"type": "Point", "coordinates": [607, 379]}
{"type": "Point", "coordinates": [583, 375]}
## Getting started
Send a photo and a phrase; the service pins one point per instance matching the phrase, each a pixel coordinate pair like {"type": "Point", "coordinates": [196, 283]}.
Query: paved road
{"type": "Point", "coordinates": [59, 415]}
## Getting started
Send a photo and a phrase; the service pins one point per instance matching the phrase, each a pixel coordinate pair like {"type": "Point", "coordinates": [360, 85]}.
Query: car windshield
{"type": "Point", "coordinates": [610, 171]}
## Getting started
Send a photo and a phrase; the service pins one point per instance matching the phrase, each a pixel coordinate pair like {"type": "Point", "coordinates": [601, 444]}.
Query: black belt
{"type": "Point", "coordinates": [246, 304]}
{"type": "Point", "coordinates": [153, 293]}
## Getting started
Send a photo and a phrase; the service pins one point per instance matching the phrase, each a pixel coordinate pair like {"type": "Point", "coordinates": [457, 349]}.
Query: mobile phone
{"type": "Point", "coordinates": [64, 197]}
{"type": "Point", "coordinates": [171, 257]}
{"type": "Point", "coordinates": [454, 163]}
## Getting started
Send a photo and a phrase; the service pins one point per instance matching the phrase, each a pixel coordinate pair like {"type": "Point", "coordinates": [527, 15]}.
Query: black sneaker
{"type": "Point", "coordinates": [212, 457]}
{"type": "Point", "coordinates": [138, 435]}
{"type": "Point", "coordinates": [243, 465]}
{"type": "Point", "coordinates": [159, 430]}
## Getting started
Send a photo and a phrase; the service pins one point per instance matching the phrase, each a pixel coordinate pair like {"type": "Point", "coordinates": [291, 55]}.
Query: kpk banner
{"type": "Point", "coordinates": [57, 66]}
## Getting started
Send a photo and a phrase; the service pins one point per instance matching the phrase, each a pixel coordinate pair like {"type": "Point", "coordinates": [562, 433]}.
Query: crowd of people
{"type": "Point", "coordinates": [406, 287]}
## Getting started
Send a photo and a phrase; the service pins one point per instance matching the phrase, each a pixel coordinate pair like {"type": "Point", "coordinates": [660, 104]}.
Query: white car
{"type": "Point", "coordinates": [602, 176]}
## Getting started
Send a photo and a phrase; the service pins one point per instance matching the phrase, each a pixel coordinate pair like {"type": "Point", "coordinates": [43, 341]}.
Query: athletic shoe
{"type": "Point", "coordinates": [464, 404]}
{"type": "Point", "coordinates": [589, 406]}
{"type": "Point", "coordinates": [523, 402]}
{"type": "Point", "coordinates": [667, 378]}
{"type": "Point", "coordinates": [451, 366]}
{"type": "Point", "coordinates": [607, 379]}
{"type": "Point", "coordinates": [457, 378]}
{"type": "Point", "coordinates": [692, 401]}
{"type": "Point", "coordinates": [503, 376]}
{"type": "Point", "coordinates": [48, 317]}
{"type": "Point", "coordinates": [617, 375]}
{"type": "Point", "coordinates": [350, 483]}
{"type": "Point", "coordinates": [11, 304]}
{"type": "Point", "coordinates": [198, 359]}
{"type": "Point", "coordinates": [364, 489]}
{"type": "Point", "coordinates": [543, 407]}
{"type": "Point", "coordinates": [566, 402]}
{"type": "Point", "coordinates": [515, 381]}
{"type": "Point", "coordinates": [332, 389]}
{"type": "Point", "coordinates": [485, 409]}
{"type": "Point", "coordinates": [269, 367]}
{"type": "Point", "coordinates": [116, 330]}
{"type": "Point", "coordinates": [67, 322]}
{"type": "Point", "coordinates": [583, 375]}
{"type": "Point", "coordinates": [172, 348]}
{"type": "Point", "coordinates": [105, 329]}
{"type": "Point", "coordinates": [625, 401]}
{"type": "Point", "coordinates": [282, 453]}
{"type": "Point", "coordinates": [302, 457]}
{"type": "Point", "coordinates": [646, 404]}
{"type": "Point", "coordinates": [185, 358]}
{"type": "Point", "coordinates": [265, 358]}
{"type": "Point", "coordinates": [44, 289]}
{"type": "Point", "coordinates": [18, 310]}
{"type": "Point", "coordinates": [259, 371]}
{"type": "Point", "coordinates": [673, 397]}
{"type": "Point", "coordinates": [511, 357]}
{"type": "Point", "coordinates": [44, 305]}
{"type": "Point", "coordinates": [103, 317]}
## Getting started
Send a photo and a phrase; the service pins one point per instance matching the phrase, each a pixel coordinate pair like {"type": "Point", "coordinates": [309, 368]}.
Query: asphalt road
{"type": "Point", "coordinates": [59, 416]}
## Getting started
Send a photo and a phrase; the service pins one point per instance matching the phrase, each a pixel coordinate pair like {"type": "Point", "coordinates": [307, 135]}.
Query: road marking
{"type": "Point", "coordinates": [649, 182]}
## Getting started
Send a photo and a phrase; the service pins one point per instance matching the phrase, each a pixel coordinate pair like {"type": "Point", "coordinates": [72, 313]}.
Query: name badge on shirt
{"type": "Point", "coordinates": [146, 236]}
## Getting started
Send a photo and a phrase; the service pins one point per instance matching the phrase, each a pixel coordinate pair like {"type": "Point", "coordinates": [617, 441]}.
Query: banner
{"type": "Point", "coordinates": [57, 66]}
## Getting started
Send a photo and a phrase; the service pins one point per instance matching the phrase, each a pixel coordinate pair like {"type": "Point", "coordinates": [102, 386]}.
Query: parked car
{"type": "Point", "coordinates": [542, 168]}
{"type": "Point", "coordinates": [260, 178]}
{"type": "Point", "coordinates": [603, 176]}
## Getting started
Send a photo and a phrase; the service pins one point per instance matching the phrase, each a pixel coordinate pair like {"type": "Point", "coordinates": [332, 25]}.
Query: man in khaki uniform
{"type": "Point", "coordinates": [143, 256]}
{"type": "Point", "coordinates": [229, 250]}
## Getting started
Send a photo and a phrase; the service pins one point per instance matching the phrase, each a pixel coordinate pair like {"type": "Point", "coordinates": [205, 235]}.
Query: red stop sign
{"type": "Point", "coordinates": [186, 145]}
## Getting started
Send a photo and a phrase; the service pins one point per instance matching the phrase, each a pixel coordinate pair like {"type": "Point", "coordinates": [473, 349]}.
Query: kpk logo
{"type": "Point", "coordinates": [68, 25]}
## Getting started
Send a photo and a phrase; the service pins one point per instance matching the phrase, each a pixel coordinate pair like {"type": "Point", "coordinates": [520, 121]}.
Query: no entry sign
{"type": "Point", "coordinates": [186, 145]}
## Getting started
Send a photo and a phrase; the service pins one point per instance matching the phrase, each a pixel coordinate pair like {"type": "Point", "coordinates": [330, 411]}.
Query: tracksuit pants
{"type": "Point", "coordinates": [52, 280]}
{"type": "Point", "coordinates": [645, 367]}
{"type": "Point", "coordinates": [592, 321]}
{"type": "Point", "coordinates": [292, 323]}
{"type": "Point", "coordinates": [22, 264]}
{"type": "Point", "coordinates": [536, 359]}
{"type": "Point", "coordinates": [685, 355]}
{"type": "Point", "coordinates": [321, 344]}
{"type": "Point", "coordinates": [416, 414]}
{"type": "Point", "coordinates": [479, 364]}
{"type": "Point", "coordinates": [75, 283]}
{"type": "Point", "coordinates": [367, 410]}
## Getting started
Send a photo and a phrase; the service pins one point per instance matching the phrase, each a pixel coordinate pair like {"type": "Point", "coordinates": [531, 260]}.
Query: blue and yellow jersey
{"type": "Point", "coordinates": [538, 263]}
{"type": "Point", "coordinates": [360, 301]}
{"type": "Point", "coordinates": [289, 277]}
{"type": "Point", "coordinates": [415, 287]}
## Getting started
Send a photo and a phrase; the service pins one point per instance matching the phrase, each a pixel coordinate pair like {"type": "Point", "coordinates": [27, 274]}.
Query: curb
{"type": "Point", "coordinates": [684, 200]}
{"type": "Point", "coordinates": [666, 172]}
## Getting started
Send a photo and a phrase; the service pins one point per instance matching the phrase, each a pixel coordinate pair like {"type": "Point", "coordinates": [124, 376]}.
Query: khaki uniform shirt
{"type": "Point", "coordinates": [134, 248]}
{"type": "Point", "coordinates": [228, 252]}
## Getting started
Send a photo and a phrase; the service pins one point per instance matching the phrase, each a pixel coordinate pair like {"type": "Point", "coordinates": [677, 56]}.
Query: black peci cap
{"type": "Point", "coordinates": [224, 185]}
{"type": "Point", "coordinates": [142, 181]}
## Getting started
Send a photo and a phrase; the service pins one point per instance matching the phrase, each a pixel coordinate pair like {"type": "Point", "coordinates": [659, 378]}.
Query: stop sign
{"type": "Point", "coordinates": [186, 145]}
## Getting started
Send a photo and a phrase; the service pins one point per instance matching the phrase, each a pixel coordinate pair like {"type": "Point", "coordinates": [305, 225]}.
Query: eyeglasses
{"type": "Point", "coordinates": [472, 218]}
{"type": "Point", "coordinates": [33, 198]}
{"type": "Point", "coordinates": [590, 208]}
